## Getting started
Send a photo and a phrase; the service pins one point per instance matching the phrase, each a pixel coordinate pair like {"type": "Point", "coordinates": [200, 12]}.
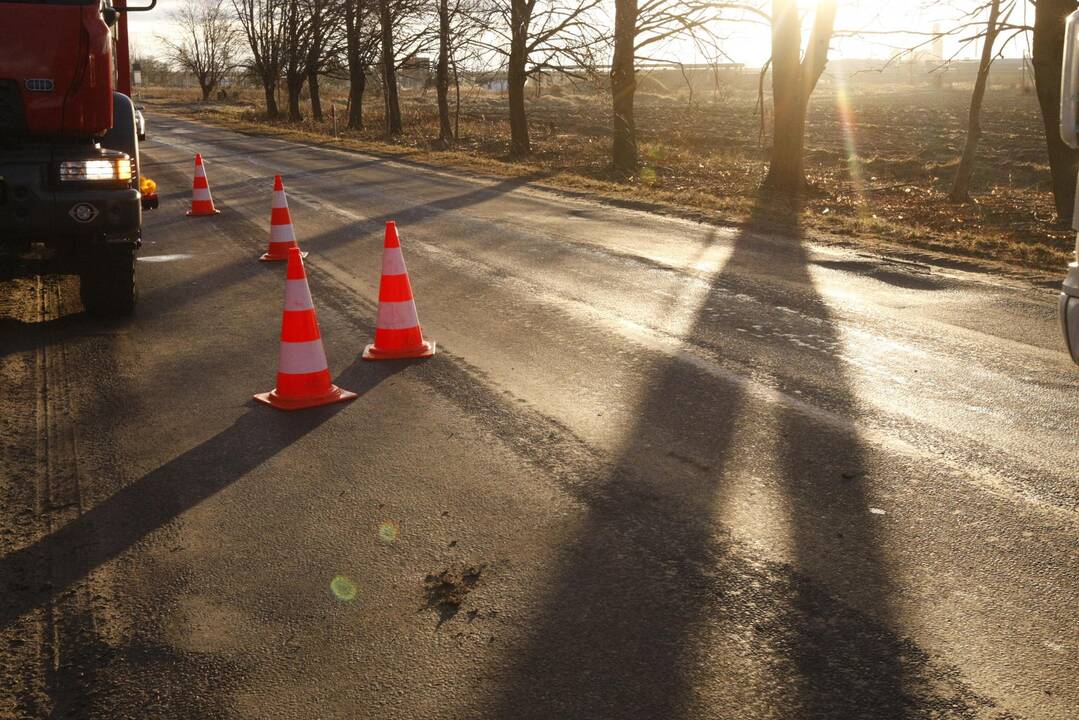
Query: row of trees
{"type": "Point", "coordinates": [294, 43]}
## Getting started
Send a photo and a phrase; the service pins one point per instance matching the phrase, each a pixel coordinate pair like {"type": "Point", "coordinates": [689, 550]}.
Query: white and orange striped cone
{"type": "Point", "coordinates": [201, 201]}
{"type": "Point", "coordinates": [282, 236]}
{"type": "Point", "coordinates": [397, 329]}
{"type": "Point", "coordinates": [303, 377]}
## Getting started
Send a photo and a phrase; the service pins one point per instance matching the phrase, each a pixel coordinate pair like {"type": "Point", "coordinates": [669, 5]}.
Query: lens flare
{"type": "Point", "coordinates": [388, 530]}
{"type": "Point", "coordinates": [343, 589]}
{"type": "Point", "coordinates": [848, 126]}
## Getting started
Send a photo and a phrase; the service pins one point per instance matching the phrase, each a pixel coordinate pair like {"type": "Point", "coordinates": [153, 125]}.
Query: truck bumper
{"type": "Point", "coordinates": [33, 210]}
{"type": "Point", "coordinates": [1069, 310]}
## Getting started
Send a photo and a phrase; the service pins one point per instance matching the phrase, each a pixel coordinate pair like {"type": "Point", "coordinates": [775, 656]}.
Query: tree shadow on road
{"type": "Point", "coordinates": [36, 574]}
{"type": "Point", "coordinates": [653, 612]}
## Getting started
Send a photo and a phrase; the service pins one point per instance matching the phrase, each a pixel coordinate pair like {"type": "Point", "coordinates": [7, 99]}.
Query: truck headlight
{"type": "Point", "coordinates": [99, 170]}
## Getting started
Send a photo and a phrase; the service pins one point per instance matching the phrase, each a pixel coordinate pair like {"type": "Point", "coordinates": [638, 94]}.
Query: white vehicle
{"type": "Point", "coordinates": [140, 124]}
{"type": "Point", "coordinates": [1069, 132]}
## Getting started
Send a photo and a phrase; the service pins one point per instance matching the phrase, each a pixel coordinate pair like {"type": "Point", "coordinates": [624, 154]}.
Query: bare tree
{"type": "Point", "coordinates": [327, 40]}
{"type": "Point", "coordinates": [262, 22]}
{"type": "Point", "coordinates": [389, 69]}
{"type": "Point", "coordinates": [987, 21]}
{"type": "Point", "coordinates": [537, 35]}
{"type": "Point", "coordinates": [638, 27]}
{"type": "Point", "coordinates": [404, 33]}
{"type": "Point", "coordinates": [793, 79]}
{"type": "Point", "coordinates": [442, 74]}
{"type": "Point", "coordinates": [457, 35]}
{"type": "Point", "coordinates": [205, 45]}
{"type": "Point", "coordinates": [363, 37]}
{"type": "Point", "coordinates": [961, 183]}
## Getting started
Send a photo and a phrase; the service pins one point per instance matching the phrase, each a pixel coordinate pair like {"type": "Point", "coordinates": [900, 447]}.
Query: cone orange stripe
{"type": "Point", "coordinates": [306, 385]}
{"type": "Point", "coordinates": [200, 183]}
{"type": "Point", "coordinates": [299, 326]}
{"type": "Point", "coordinates": [394, 288]}
{"type": "Point", "coordinates": [390, 340]}
{"type": "Point", "coordinates": [279, 249]}
{"type": "Point", "coordinates": [280, 216]}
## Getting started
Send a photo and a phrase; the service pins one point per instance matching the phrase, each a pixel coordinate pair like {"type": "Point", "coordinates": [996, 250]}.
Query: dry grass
{"type": "Point", "coordinates": [880, 170]}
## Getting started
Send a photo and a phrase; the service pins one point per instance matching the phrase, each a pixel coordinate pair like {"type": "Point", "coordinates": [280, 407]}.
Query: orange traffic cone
{"type": "Point", "coordinates": [201, 202]}
{"type": "Point", "coordinates": [303, 377]}
{"type": "Point", "coordinates": [397, 329]}
{"type": "Point", "coordinates": [282, 236]}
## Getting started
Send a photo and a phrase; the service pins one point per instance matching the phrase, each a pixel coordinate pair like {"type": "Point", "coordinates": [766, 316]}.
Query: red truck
{"type": "Point", "coordinates": [71, 188]}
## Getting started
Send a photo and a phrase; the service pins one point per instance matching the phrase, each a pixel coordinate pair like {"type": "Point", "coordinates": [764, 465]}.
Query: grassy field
{"type": "Point", "coordinates": [880, 160]}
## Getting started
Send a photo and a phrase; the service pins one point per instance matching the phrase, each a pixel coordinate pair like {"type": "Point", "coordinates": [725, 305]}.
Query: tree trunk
{"type": "Point", "coordinates": [517, 76]}
{"type": "Point", "coordinates": [457, 102]}
{"type": "Point", "coordinates": [793, 81]}
{"type": "Point", "coordinates": [356, 87]}
{"type": "Point", "coordinates": [623, 86]}
{"type": "Point", "coordinates": [316, 98]}
{"type": "Point", "coordinates": [206, 89]}
{"type": "Point", "coordinates": [786, 173]}
{"type": "Point", "coordinates": [389, 71]}
{"type": "Point", "coordinates": [1046, 56]}
{"type": "Point", "coordinates": [961, 184]}
{"type": "Point", "coordinates": [520, 144]}
{"type": "Point", "coordinates": [268, 87]}
{"type": "Point", "coordinates": [442, 77]}
{"type": "Point", "coordinates": [357, 71]}
{"type": "Point", "coordinates": [294, 85]}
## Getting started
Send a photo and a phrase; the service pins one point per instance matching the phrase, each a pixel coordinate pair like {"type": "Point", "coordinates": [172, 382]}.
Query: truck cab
{"type": "Point", "coordinates": [71, 190]}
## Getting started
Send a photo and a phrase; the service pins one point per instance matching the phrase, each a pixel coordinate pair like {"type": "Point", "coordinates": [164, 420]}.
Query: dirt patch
{"type": "Point", "coordinates": [446, 591]}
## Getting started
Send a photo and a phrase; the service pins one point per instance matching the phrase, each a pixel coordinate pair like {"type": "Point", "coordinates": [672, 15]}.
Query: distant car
{"type": "Point", "coordinates": [140, 124]}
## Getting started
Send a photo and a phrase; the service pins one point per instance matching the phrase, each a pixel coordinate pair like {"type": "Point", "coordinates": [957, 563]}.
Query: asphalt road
{"type": "Point", "coordinates": [658, 469]}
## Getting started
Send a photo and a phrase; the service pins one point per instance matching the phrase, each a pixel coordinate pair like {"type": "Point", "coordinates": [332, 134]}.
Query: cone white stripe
{"type": "Point", "coordinates": [301, 358]}
{"type": "Point", "coordinates": [397, 315]}
{"type": "Point", "coordinates": [200, 171]}
{"type": "Point", "coordinates": [393, 262]}
{"type": "Point", "coordinates": [298, 295]}
{"type": "Point", "coordinates": [200, 194]}
{"type": "Point", "coordinates": [282, 233]}
{"type": "Point", "coordinates": [279, 200]}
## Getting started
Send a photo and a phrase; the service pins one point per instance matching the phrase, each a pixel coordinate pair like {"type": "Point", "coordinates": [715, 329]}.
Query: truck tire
{"type": "Point", "coordinates": [107, 283]}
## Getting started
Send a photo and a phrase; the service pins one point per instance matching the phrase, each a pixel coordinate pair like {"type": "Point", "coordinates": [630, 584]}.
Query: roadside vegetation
{"type": "Point", "coordinates": [921, 150]}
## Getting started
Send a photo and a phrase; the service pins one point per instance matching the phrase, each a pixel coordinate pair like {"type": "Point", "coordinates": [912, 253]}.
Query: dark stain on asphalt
{"type": "Point", "coordinates": [445, 591]}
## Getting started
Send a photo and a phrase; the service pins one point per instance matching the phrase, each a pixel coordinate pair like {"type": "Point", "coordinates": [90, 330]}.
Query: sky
{"type": "Point", "coordinates": [748, 43]}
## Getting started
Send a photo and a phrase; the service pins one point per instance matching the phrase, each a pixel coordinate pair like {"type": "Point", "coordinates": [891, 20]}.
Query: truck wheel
{"type": "Point", "coordinates": [107, 283]}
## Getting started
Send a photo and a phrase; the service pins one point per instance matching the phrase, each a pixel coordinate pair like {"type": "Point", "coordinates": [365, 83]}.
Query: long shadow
{"type": "Point", "coordinates": [652, 613]}
{"type": "Point", "coordinates": [37, 573]}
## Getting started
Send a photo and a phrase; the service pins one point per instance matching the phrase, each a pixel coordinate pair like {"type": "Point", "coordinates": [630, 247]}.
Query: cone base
{"type": "Point", "coordinates": [334, 395]}
{"type": "Point", "coordinates": [427, 349]}
{"type": "Point", "coordinates": [267, 257]}
{"type": "Point", "coordinates": [192, 213]}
